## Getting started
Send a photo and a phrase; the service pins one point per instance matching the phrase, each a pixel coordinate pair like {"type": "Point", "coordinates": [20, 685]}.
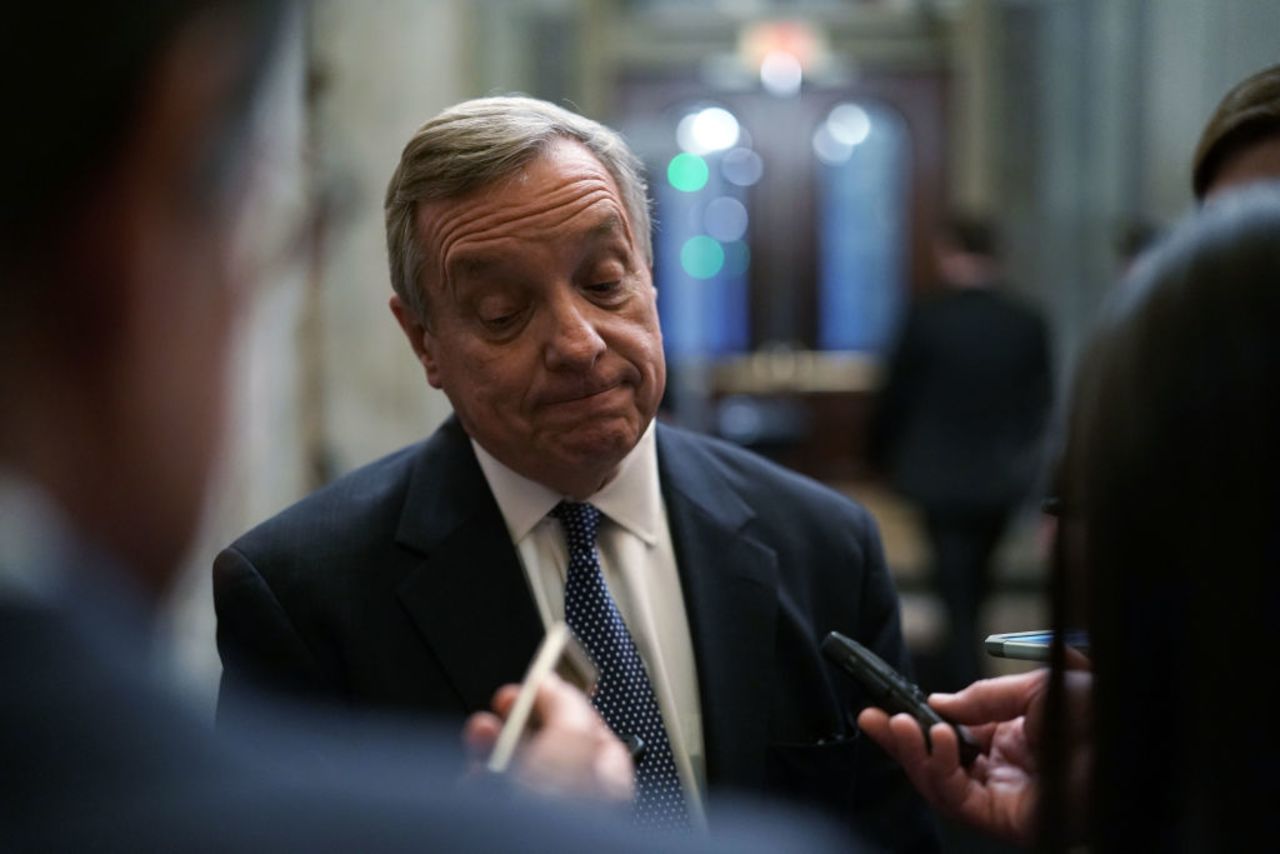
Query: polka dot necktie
{"type": "Point", "coordinates": [624, 696]}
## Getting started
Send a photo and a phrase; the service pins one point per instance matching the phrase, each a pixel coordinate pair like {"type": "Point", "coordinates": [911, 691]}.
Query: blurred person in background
{"type": "Point", "coordinates": [122, 188]}
{"type": "Point", "coordinates": [1004, 793]}
{"type": "Point", "coordinates": [960, 425]}
{"type": "Point", "coordinates": [700, 577]}
{"type": "Point", "coordinates": [1241, 142]}
{"type": "Point", "coordinates": [1169, 554]}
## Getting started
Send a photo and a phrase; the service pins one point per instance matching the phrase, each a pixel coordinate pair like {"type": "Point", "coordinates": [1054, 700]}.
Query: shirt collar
{"type": "Point", "coordinates": [632, 498]}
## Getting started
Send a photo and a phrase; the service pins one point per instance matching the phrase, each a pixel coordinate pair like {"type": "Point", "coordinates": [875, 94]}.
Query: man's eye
{"type": "Point", "coordinates": [500, 321]}
{"type": "Point", "coordinates": [497, 318]}
{"type": "Point", "coordinates": [604, 288]}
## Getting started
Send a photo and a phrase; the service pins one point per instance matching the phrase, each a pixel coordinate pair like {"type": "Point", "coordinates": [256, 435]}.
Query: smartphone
{"type": "Point", "coordinates": [1033, 646]}
{"type": "Point", "coordinates": [561, 653]}
{"type": "Point", "coordinates": [892, 691]}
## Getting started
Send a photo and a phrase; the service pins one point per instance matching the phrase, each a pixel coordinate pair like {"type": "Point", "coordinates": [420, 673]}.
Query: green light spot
{"type": "Point", "coordinates": [687, 172]}
{"type": "Point", "coordinates": [737, 258]}
{"type": "Point", "coordinates": [701, 257]}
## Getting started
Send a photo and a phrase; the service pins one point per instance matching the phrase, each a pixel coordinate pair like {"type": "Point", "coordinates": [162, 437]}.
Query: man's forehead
{"type": "Point", "coordinates": [561, 161]}
{"type": "Point", "coordinates": [563, 193]}
{"type": "Point", "coordinates": [600, 225]}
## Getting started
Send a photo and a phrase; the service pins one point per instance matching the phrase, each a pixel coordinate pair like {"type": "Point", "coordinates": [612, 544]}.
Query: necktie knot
{"type": "Point", "coordinates": [581, 521]}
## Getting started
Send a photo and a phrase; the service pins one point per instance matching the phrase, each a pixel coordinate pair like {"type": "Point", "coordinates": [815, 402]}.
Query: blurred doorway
{"type": "Point", "coordinates": [790, 232]}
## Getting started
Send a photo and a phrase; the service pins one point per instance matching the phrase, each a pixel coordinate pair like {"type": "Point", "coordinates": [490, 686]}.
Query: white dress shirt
{"type": "Point", "coordinates": [639, 564]}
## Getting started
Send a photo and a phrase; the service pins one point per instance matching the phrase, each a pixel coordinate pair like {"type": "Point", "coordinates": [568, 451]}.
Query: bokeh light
{"type": "Point", "coordinates": [846, 127]}
{"type": "Point", "coordinates": [702, 257]}
{"type": "Point", "coordinates": [742, 166]}
{"type": "Point", "coordinates": [688, 172]}
{"type": "Point", "coordinates": [849, 124]}
{"type": "Point", "coordinates": [707, 130]}
{"type": "Point", "coordinates": [737, 258]}
{"type": "Point", "coordinates": [830, 150]}
{"type": "Point", "coordinates": [726, 219]}
{"type": "Point", "coordinates": [781, 73]}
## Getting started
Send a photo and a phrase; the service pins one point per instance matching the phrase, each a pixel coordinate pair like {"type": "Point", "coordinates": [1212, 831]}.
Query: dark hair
{"type": "Point", "coordinates": [71, 80]}
{"type": "Point", "coordinates": [1249, 113]}
{"type": "Point", "coordinates": [1173, 472]}
{"type": "Point", "coordinates": [972, 233]}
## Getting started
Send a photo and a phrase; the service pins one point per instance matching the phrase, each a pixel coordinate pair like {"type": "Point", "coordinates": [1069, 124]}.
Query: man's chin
{"type": "Point", "coordinates": [596, 447]}
{"type": "Point", "coordinates": [584, 452]}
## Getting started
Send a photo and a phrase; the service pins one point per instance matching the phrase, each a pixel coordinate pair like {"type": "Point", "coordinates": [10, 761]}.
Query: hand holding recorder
{"type": "Point", "coordinates": [890, 690]}
{"type": "Point", "coordinates": [998, 792]}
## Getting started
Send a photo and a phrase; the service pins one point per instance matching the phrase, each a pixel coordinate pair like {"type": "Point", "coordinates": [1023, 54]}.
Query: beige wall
{"type": "Point", "coordinates": [384, 68]}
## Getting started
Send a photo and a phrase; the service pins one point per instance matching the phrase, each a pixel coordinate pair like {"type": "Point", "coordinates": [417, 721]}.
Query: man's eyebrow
{"type": "Point", "coordinates": [610, 226]}
{"type": "Point", "coordinates": [471, 266]}
{"type": "Point", "coordinates": [479, 264]}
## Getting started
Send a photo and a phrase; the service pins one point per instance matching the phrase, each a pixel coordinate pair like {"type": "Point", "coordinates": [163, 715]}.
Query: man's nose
{"type": "Point", "coordinates": [573, 342]}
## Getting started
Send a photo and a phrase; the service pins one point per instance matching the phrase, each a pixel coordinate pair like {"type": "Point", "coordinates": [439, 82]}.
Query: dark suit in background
{"type": "Point", "coordinates": [398, 587]}
{"type": "Point", "coordinates": [960, 433]}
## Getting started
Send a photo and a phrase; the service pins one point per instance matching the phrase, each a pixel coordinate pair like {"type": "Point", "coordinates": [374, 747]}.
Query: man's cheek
{"type": "Point", "coordinates": [493, 387]}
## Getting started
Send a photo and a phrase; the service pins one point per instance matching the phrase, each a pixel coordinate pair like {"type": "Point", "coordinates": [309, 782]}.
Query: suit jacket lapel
{"type": "Point", "coordinates": [468, 596]}
{"type": "Point", "coordinates": [730, 586]}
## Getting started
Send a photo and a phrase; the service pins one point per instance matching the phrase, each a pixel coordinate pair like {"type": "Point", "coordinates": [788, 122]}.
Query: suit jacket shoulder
{"type": "Point", "coordinates": [275, 591]}
{"type": "Point", "coordinates": [377, 590]}
{"type": "Point", "coordinates": [777, 496]}
{"type": "Point", "coordinates": [346, 521]}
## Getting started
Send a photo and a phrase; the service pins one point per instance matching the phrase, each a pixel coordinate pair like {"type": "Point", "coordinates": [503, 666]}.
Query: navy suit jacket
{"type": "Point", "coordinates": [398, 587]}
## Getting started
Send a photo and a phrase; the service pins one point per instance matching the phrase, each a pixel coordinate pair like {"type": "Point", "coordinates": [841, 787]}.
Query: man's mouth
{"type": "Point", "coordinates": [581, 394]}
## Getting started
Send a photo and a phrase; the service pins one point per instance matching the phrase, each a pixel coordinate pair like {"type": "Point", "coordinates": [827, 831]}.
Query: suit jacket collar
{"type": "Point", "coordinates": [467, 593]}
{"type": "Point", "coordinates": [446, 488]}
{"type": "Point", "coordinates": [730, 585]}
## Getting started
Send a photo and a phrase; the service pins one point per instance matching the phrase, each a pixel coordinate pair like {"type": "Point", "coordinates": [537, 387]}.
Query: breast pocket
{"type": "Point", "coordinates": [819, 772]}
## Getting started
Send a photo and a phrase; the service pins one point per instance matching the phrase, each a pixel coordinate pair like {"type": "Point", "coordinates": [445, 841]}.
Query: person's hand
{"type": "Point", "coordinates": [570, 751]}
{"type": "Point", "coordinates": [998, 792]}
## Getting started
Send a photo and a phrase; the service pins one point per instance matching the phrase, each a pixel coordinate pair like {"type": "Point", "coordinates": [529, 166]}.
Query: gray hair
{"type": "Point", "coordinates": [477, 142]}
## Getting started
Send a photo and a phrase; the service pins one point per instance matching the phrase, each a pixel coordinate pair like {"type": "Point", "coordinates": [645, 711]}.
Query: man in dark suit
{"type": "Point", "coordinates": [701, 578]}
{"type": "Point", "coordinates": [961, 425]}
{"type": "Point", "coordinates": [120, 200]}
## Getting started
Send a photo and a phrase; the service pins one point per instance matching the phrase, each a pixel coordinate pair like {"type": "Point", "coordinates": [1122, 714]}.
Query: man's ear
{"type": "Point", "coordinates": [420, 338]}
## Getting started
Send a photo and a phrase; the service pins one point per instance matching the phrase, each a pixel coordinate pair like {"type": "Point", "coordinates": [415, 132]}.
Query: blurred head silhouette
{"type": "Point", "coordinates": [122, 178]}
{"type": "Point", "coordinates": [1241, 143]}
{"type": "Point", "coordinates": [1173, 493]}
{"type": "Point", "coordinates": [966, 251]}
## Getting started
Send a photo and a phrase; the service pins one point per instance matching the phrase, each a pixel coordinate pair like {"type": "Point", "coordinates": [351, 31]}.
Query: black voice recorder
{"type": "Point", "coordinates": [891, 691]}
